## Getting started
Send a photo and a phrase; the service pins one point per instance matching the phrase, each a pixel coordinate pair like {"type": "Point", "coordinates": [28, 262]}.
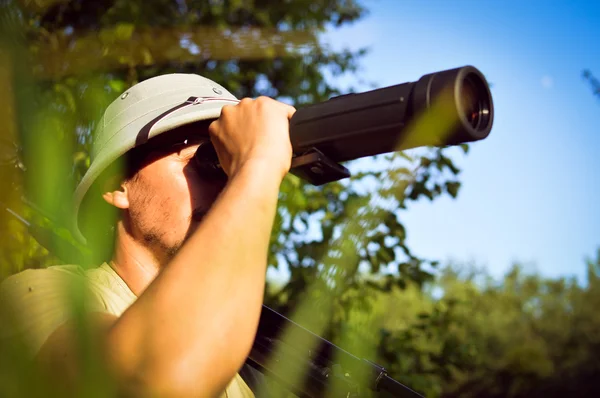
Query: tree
{"type": "Point", "coordinates": [468, 335]}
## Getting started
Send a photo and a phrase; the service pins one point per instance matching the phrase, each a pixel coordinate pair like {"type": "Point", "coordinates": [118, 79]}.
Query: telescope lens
{"type": "Point", "coordinates": [474, 102]}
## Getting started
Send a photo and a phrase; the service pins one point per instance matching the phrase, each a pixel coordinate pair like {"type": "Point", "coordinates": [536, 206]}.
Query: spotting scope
{"type": "Point", "coordinates": [444, 108]}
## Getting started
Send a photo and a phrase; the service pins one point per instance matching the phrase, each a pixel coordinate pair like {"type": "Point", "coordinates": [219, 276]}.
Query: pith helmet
{"type": "Point", "coordinates": [147, 109]}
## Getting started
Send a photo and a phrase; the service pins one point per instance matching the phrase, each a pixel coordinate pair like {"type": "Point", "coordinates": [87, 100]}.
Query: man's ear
{"type": "Point", "coordinates": [118, 198]}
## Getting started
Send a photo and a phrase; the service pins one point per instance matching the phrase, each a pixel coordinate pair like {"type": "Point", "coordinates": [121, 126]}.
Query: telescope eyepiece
{"type": "Point", "coordinates": [470, 102]}
{"type": "Point", "coordinates": [474, 102]}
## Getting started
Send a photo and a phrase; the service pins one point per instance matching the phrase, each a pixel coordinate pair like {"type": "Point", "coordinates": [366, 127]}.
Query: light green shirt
{"type": "Point", "coordinates": [41, 300]}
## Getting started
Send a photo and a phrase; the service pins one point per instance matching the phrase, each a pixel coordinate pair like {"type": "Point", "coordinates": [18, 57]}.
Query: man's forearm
{"type": "Point", "coordinates": [195, 324]}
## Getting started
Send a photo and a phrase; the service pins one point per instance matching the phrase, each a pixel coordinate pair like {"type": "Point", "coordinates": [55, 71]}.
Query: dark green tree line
{"type": "Point", "coordinates": [469, 335]}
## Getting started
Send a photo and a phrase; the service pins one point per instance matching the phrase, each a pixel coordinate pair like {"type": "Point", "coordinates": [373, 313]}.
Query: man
{"type": "Point", "coordinates": [176, 308]}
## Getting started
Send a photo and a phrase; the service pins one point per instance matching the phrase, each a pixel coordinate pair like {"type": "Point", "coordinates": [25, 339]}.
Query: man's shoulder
{"type": "Point", "coordinates": [99, 285]}
{"type": "Point", "coordinates": [35, 302]}
{"type": "Point", "coordinates": [39, 280]}
{"type": "Point", "coordinates": [59, 270]}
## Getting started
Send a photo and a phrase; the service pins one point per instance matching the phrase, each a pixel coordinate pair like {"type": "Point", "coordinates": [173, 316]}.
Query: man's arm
{"type": "Point", "coordinates": [193, 327]}
{"type": "Point", "coordinates": [195, 324]}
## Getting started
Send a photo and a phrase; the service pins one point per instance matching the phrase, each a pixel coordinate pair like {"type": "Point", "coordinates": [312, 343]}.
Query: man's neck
{"type": "Point", "coordinates": [135, 263]}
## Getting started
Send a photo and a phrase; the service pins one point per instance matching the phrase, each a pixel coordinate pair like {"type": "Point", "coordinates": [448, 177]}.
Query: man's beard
{"type": "Point", "coordinates": [154, 238]}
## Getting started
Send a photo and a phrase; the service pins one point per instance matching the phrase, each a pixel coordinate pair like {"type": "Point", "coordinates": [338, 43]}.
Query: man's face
{"type": "Point", "coordinates": [168, 197]}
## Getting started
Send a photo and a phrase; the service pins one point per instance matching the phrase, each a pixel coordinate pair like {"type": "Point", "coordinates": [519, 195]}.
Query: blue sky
{"type": "Point", "coordinates": [531, 190]}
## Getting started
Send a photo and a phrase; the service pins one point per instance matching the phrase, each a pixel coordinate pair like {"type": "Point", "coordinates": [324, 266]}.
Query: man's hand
{"type": "Point", "coordinates": [253, 130]}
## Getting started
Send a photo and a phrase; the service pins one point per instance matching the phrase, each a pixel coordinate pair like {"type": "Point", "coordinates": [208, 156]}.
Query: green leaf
{"type": "Point", "coordinates": [452, 188]}
{"type": "Point", "coordinates": [124, 31]}
{"type": "Point", "coordinates": [118, 86]}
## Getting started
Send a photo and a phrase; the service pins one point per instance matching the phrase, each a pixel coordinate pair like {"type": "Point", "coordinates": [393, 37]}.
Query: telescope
{"type": "Point", "coordinates": [444, 108]}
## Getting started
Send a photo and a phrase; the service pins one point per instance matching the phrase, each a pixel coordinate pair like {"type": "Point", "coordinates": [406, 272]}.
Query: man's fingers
{"type": "Point", "coordinates": [253, 128]}
{"type": "Point", "coordinates": [290, 111]}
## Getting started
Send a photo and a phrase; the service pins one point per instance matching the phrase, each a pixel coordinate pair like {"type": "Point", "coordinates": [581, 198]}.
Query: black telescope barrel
{"type": "Point", "coordinates": [383, 120]}
{"type": "Point", "coordinates": [450, 107]}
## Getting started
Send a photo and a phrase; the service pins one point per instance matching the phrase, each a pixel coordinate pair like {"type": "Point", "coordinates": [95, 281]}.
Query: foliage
{"type": "Point", "coordinates": [468, 335]}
